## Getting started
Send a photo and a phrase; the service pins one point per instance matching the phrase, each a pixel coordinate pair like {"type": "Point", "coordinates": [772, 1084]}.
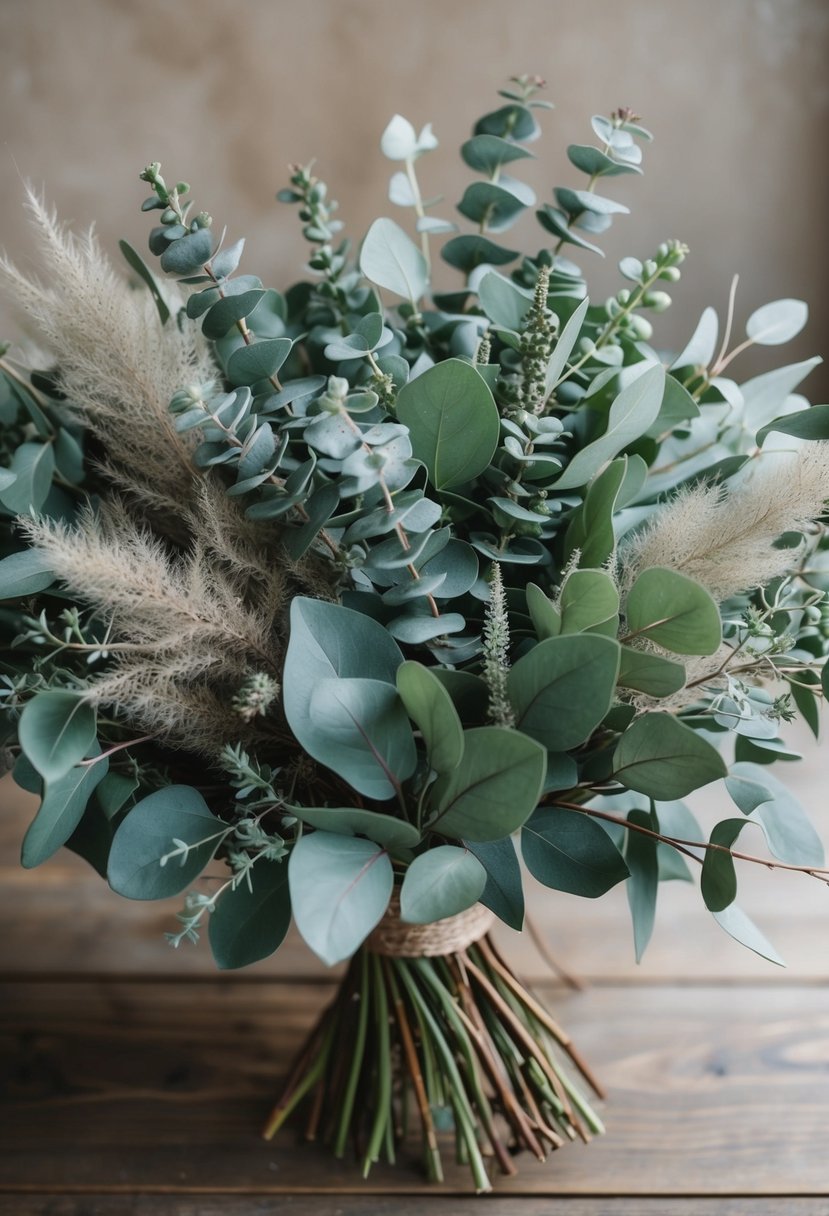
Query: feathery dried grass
{"type": "Point", "coordinates": [183, 638]}
{"type": "Point", "coordinates": [723, 538]}
{"type": "Point", "coordinates": [118, 365]}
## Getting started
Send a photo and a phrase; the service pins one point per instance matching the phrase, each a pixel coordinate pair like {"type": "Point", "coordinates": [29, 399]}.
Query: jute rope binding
{"type": "Point", "coordinates": [397, 939]}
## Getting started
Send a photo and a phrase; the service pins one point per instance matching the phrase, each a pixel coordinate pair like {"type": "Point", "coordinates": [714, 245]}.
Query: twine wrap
{"type": "Point", "coordinates": [398, 939]}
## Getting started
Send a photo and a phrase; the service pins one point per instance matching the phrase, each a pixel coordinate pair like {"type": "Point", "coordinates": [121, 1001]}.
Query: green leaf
{"type": "Point", "coordinates": [589, 601]}
{"type": "Point", "coordinates": [569, 851]}
{"type": "Point", "coordinates": [453, 422]}
{"type": "Point", "coordinates": [563, 687]}
{"type": "Point", "coordinates": [674, 611]}
{"type": "Point", "coordinates": [223, 315]}
{"type": "Point", "coordinates": [57, 729]}
{"type": "Point", "coordinates": [390, 259]}
{"type": "Point", "coordinates": [495, 787]}
{"type": "Point", "coordinates": [136, 262]}
{"type": "Point", "coordinates": [33, 465]}
{"type": "Point", "coordinates": [661, 757]}
{"type": "Point", "coordinates": [430, 707]}
{"type": "Point", "coordinates": [326, 641]}
{"type": "Point", "coordinates": [739, 926]}
{"type": "Point", "coordinates": [545, 617]}
{"type": "Point", "coordinates": [60, 812]}
{"type": "Point", "coordinates": [767, 801]}
{"type": "Point", "coordinates": [718, 883]}
{"type": "Point", "coordinates": [642, 861]}
{"type": "Point", "coordinates": [486, 153]}
{"type": "Point", "coordinates": [503, 302]}
{"type": "Point", "coordinates": [631, 414]}
{"type": "Point", "coordinates": [188, 253]}
{"type": "Point", "coordinates": [471, 250]}
{"type": "Point", "coordinates": [148, 834]}
{"type": "Point", "coordinates": [359, 728]}
{"type": "Point", "coordinates": [591, 528]}
{"type": "Point", "coordinates": [503, 893]}
{"type": "Point", "coordinates": [385, 830]}
{"type": "Point", "coordinates": [596, 163]}
{"type": "Point", "coordinates": [764, 395]}
{"type": "Point", "coordinates": [340, 887]}
{"type": "Point", "coordinates": [650, 673]}
{"type": "Point", "coordinates": [24, 573]}
{"type": "Point", "coordinates": [564, 347]}
{"type": "Point", "coordinates": [248, 925]}
{"type": "Point", "coordinates": [492, 207]}
{"type": "Point", "coordinates": [440, 883]}
{"type": "Point", "coordinates": [778, 322]}
{"type": "Point", "coordinates": [259, 361]}
{"type": "Point", "coordinates": [812, 423]}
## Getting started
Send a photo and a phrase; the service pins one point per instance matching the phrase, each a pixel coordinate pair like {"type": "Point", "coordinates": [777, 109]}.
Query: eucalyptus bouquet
{"type": "Point", "coordinates": [349, 588]}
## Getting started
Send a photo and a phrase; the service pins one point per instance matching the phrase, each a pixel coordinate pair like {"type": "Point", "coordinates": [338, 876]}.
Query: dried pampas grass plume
{"type": "Point", "coordinates": [724, 538]}
{"type": "Point", "coordinates": [118, 365]}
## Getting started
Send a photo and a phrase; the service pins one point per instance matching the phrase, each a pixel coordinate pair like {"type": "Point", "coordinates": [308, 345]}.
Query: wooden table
{"type": "Point", "coordinates": [135, 1080]}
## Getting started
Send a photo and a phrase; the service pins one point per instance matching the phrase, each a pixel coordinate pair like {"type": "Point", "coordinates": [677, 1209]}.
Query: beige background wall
{"type": "Point", "coordinates": [226, 94]}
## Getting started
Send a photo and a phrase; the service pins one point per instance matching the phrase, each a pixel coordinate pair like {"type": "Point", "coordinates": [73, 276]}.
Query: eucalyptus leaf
{"type": "Point", "coordinates": [562, 689]}
{"type": "Point", "coordinates": [662, 757]}
{"type": "Point", "coordinates": [430, 707]}
{"type": "Point", "coordinates": [358, 728]}
{"type": "Point", "coordinates": [57, 729]}
{"type": "Point", "coordinates": [778, 322]}
{"type": "Point", "coordinates": [569, 851]}
{"type": "Point", "coordinates": [387, 831]}
{"type": "Point", "coordinates": [439, 883]}
{"type": "Point", "coordinates": [163, 844]}
{"type": "Point", "coordinates": [642, 861]}
{"type": "Point", "coordinates": [250, 924]}
{"type": "Point", "coordinates": [390, 259]}
{"type": "Point", "coordinates": [340, 887]}
{"type": "Point", "coordinates": [453, 422]}
{"type": "Point", "coordinates": [64, 802]}
{"type": "Point", "coordinates": [739, 926]}
{"type": "Point", "coordinates": [25, 573]}
{"type": "Point", "coordinates": [493, 790]}
{"type": "Point", "coordinates": [564, 346]}
{"type": "Point", "coordinates": [674, 611]}
{"type": "Point", "coordinates": [503, 302]}
{"type": "Point", "coordinates": [33, 466]}
{"type": "Point", "coordinates": [504, 891]}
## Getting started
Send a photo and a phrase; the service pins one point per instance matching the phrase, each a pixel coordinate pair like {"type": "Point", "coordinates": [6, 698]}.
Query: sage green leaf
{"type": "Point", "coordinates": [589, 602]}
{"type": "Point", "coordinates": [439, 883]}
{"type": "Point", "coordinates": [390, 259]}
{"type": "Point", "coordinates": [492, 207]}
{"type": "Point", "coordinates": [430, 707]}
{"type": "Point", "coordinates": [136, 263]}
{"type": "Point", "coordinates": [569, 851]}
{"type": "Point", "coordinates": [385, 830]}
{"type": "Point", "coordinates": [642, 861]}
{"type": "Point", "coordinates": [778, 322]}
{"type": "Point", "coordinates": [503, 302]}
{"type": "Point", "coordinates": [718, 883]}
{"type": "Point", "coordinates": [340, 887]}
{"type": "Point", "coordinates": [33, 466]}
{"type": "Point", "coordinates": [258, 361]}
{"type": "Point", "coordinates": [327, 640]}
{"type": "Point", "coordinates": [766, 800]}
{"type": "Point", "coordinates": [563, 687]}
{"type": "Point", "coordinates": [650, 673]}
{"type": "Point", "coordinates": [471, 250]}
{"type": "Point", "coordinates": [703, 342]}
{"type": "Point", "coordinates": [739, 926]}
{"type": "Point", "coordinates": [469, 694]}
{"type": "Point", "coordinates": [189, 253]}
{"type": "Point", "coordinates": [486, 153]}
{"type": "Point", "coordinates": [765, 395]}
{"type": "Point", "coordinates": [674, 611]}
{"type": "Point", "coordinates": [57, 729]}
{"type": "Point", "coordinates": [248, 925]}
{"type": "Point", "coordinates": [631, 414]}
{"type": "Point", "coordinates": [453, 422]}
{"type": "Point", "coordinates": [493, 790]}
{"type": "Point", "coordinates": [661, 757]}
{"type": "Point", "coordinates": [359, 728]}
{"type": "Point", "coordinates": [504, 892]}
{"type": "Point", "coordinates": [564, 347]}
{"type": "Point", "coordinates": [812, 423]}
{"type": "Point", "coordinates": [591, 528]}
{"type": "Point", "coordinates": [545, 617]}
{"type": "Point", "coordinates": [223, 315]}
{"type": "Point", "coordinates": [163, 844]}
{"type": "Point", "coordinates": [24, 573]}
{"type": "Point", "coordinates": [64, 802]}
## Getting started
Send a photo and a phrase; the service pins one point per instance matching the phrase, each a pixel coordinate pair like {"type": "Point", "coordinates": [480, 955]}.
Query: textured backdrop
{"type": "Point", "coordinates": [226, 94]}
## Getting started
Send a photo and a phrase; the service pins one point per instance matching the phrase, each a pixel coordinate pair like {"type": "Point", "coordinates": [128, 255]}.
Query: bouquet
{"type": "Point", "coordinates": [321, 604]}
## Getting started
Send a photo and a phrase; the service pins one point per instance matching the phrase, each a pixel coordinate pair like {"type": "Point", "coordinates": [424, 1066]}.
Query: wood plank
{"type": "Point", "coordinates": [63, 918]}
{"type": "Point", "coordinates": [159, 1088]}
{"type": "Point", "coordinates": [346, 1205]}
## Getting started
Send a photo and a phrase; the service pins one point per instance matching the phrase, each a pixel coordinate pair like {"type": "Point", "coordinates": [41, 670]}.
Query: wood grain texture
{"type": "Point", "coordinates": [160, 1088]}
{"type": "Point", "coordinates": [347, 1205]}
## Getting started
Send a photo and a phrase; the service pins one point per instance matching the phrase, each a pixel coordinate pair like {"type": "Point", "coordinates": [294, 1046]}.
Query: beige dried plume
{"type": "Point", "coordinates": [724, 538]}
{"type": "Point", "coordinates": [118, 365]}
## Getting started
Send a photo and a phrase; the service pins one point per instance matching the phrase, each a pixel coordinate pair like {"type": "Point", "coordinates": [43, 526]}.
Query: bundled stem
{"type": "Point", "coordinates": [459, 1040]}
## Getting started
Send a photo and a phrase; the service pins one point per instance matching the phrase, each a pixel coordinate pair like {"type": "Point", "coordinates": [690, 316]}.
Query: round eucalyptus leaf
{"type": "Point", "coordinates": [453, 422]}
{"type": "Point", "coordinates": [189, 253]}
{"type": "Point", "coordinates": [563, 687]}
{"type": "Point", "coordinates": [471, 250]}
{"type": "Point", "coordinates": [24, 573]}
{"type": "Point", "coordinates": [358, 728]}
{"type": "Point", "coordinates": [64, 802]}
{"type": "Point", "coordinates": [674, 611]}
{"type": "Point", "coordinates": [163, 844]}
{"type": "Point", "coordinates": [224, 314]}
{"type": "Point", "coordinates": [248, 925]}
{"type": "Point", "coordinates": [439, 883]}
{"type": "Point", "coordinates": [390, 259]}
{"type": "Point", "coordinates": [778, 322]}
{"type": "Point", "coordinates": [491, 206]}
{"type": "Point", "coordinates": [57, 728]}
{"type": "Point", "coordinates": [569, 851]}
{"type": "Point", "coordinates": [33, 466]}
{"type": "Point", "coordinates": [662, 757]}
{"type": "Point", "coordinates": [494, 789]}
{"type": "Point", "coordinates": [503, 302]}
{"type": "Point", "coordinates": [259, 361]}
